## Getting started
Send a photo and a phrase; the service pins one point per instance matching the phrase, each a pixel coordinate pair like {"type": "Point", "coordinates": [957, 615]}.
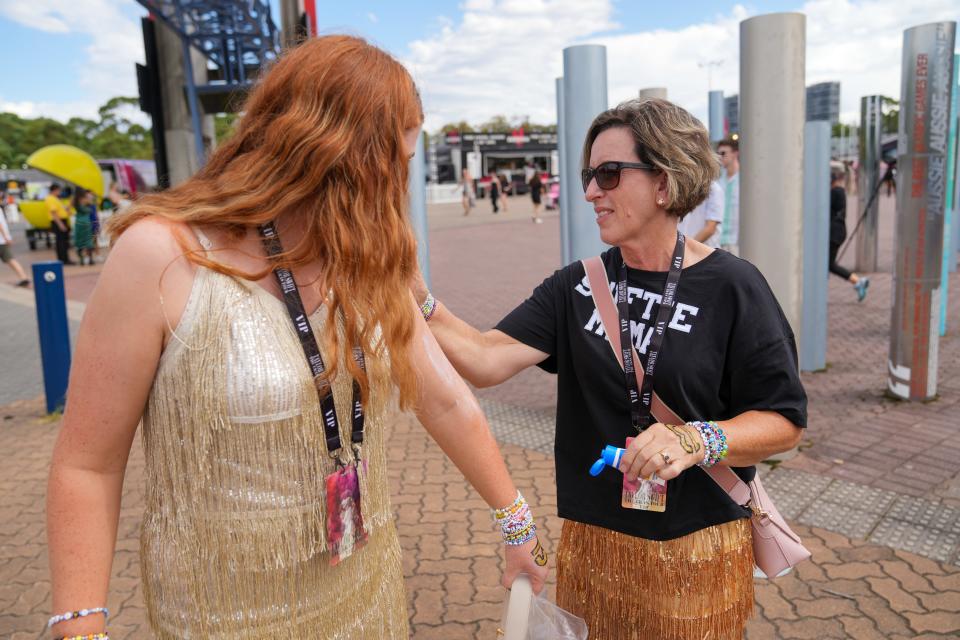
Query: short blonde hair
{"type": "Point", "coordinates": [669, 138]}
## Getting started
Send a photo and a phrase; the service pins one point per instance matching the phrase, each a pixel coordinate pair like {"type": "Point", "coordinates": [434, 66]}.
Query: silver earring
{"type": "Point", "coordinates": [660, 202]}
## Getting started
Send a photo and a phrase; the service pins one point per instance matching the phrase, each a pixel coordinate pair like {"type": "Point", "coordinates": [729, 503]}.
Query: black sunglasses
{"type": "Point", "coordinates": [608, 173]}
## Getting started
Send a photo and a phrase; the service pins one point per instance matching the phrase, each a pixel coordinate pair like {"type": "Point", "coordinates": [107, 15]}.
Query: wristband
{"type": "Point", "coordinates": [428, 307]}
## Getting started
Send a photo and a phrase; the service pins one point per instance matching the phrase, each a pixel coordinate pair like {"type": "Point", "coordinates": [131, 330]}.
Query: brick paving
{"type": "Point", "coordinates": [858, 585]}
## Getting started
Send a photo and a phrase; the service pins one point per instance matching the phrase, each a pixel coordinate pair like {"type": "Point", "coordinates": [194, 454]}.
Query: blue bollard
{"type": "Point", "coordinates": [54, 331]}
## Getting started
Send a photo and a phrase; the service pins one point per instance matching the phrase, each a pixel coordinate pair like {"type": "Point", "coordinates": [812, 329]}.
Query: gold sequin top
{"type": "Point", "coordinates": [233, 542]}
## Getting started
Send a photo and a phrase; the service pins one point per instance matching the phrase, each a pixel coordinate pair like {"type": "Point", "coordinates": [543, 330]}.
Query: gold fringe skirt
{"type": "Point", "coordinates": [698, 587]}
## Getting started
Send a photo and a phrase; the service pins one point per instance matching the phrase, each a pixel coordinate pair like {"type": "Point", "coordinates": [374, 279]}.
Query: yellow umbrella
{"type": "Point", "coordinates": [69, 164]}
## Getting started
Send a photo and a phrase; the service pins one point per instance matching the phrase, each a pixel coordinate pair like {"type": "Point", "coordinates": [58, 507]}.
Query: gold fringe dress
{"type": "Point", "coordinates": [233, 543]}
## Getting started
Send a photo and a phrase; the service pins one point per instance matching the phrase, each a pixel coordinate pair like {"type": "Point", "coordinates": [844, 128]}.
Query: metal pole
{"type": "Point", "coordinates": [653, 92]}
{"type": "Point", "coordinates": [955, 233]}
{"type": "Point", "coordinates": [927, 70]}
{"type": "Point", "coordinates": [871, 123]}
{"type": "Point", "coordinates": [54, 331]}
{"type": "Point", "coordinates": [816, 237]}
{"type": "Point", "coordinates": [194, 103]}
{"type": "Point", "coordinates": [949, 262]}
{"type": "Point", "coordinates": [418, 208]}
{"type": "Point", "coordinates": [772, 117]}
{"type": "Point", "coordinates": [715, 104]}
{"type": "Point", "coordinates": [584, 97]}
{"type": "Point", "coordinates": [564, 205]}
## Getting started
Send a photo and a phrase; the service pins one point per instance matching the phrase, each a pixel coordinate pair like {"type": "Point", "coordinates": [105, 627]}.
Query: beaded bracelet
{"type": "Point", "coordinates": [90, 636]}
{"type": "Point", "coordinates": [428, 307]}
{"type": "Point", "coordinates": [82, 613]}
{"type": "Point", "coordinates": [714, 439]}
{"type": "Point", "coordinates": [516, 522]}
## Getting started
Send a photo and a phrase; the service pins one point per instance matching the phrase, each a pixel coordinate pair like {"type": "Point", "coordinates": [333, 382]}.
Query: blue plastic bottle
{"type": "Point", "coordinates": [610, 457]}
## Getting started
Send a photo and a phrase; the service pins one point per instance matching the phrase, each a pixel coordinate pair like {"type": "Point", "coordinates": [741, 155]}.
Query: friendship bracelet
{"type": "Point", "coordinates": [715, 446]}
{"type": "Point", "coordinates": [428, 307]}
{"type": "Point", "coordinates": [82, 613]}
{"type": "Point", "coordinates": [516, 522]}
{"type": "Point", "coordinates": [90, 636]}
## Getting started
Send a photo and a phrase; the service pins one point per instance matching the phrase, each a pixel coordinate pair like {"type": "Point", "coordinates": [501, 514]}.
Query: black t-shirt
{"type": "Point", "coordinates": [728, 349]}
{"type": "Point", "coordinates": [838, 215]}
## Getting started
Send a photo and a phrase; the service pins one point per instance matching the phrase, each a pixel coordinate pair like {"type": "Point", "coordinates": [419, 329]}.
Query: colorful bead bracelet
{"type": "Point", "coordinates": [429, 307]}
{"type": "Point", "coordinates": [82, 613]}
{"type": "Point", "coordinates": [90, 636]}
{"type": "Point", "coordinates": [516, 522]}
{"type": "Point", "coordinates": [714, 439]}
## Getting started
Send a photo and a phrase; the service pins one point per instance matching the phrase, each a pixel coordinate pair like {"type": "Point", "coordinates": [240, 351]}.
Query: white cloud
{"type": "Point", "coordinates": [116, 44]}
{"type": "Point", "coordinates": [61, 111]}
{"type": "Point", "coordinates": [501, 56]}
{"type": "Point", "coordinates": [372, 17]}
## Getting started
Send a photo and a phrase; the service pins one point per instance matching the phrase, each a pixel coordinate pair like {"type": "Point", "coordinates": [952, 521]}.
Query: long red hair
{"type": "Point", "coordinates": [321, 141]}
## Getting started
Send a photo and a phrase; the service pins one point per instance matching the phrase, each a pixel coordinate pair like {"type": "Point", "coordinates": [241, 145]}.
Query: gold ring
{"type": "Point", "coordinates": [666, 458]}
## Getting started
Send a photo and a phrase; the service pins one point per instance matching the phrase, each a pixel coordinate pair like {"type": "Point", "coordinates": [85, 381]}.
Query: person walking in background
{"type": "Point", "coordinates": [467, 196]}
{"type": "Point", "coordinates": [536, 194]}
{"type": "Point", "coordinates": [6, 250]}
{"type": "Point", "coordinates": [703, 223]}
{"type": "Point", "coordinates": [729, 151]}
{"type": "Point", "coordinates": [838, 233]}
{"type": "Point", "coordinates": [84, 240]}
{"type": "Point", "coordinates": [505, 190]}
{"type": "Point", "coordinates": [495, 191]}
{"type": "Point", "coordinates": [59, 223]}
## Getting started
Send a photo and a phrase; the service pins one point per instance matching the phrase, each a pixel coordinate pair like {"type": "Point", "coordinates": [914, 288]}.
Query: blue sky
{"type": "Point", "coordinates": [477, 58]}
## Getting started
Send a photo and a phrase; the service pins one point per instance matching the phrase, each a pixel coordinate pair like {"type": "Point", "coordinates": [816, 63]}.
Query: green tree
{"type": "Point", "coordinates": [223, 124]}
{"type": "Point", "coordinates": [890, 109]}
{"type": "Point", "coordinates": [113, 135]}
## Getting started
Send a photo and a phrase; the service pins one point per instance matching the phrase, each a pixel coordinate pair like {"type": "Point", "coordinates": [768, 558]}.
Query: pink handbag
{"type": "Point", "coordinates": [776, 548]}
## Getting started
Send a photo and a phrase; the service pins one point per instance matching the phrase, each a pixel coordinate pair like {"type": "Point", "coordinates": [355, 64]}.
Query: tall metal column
{"type": "Point", "coordinates": [772, 117]}
{"type": "Point", "coordinates": [816, 238]}
{"type": "Point", "coordinates": [653, 92]}
{"type": "Point", "coordinates": [715, 104]}
{"type": "Point", "coordinates": [949, 262]}
{"type": "Point", "coordinates": [584, 97]}
{"type": "Point", "coordinates": [955, 227]}
{"type": "Point", "coordinates": [871, 127]}
{"type": "Point", "coordinates": [566, 249]}
{"type": "Point", "coordinates": [927, 70]}
{"type": "Point", "coordinates": [418, 207]}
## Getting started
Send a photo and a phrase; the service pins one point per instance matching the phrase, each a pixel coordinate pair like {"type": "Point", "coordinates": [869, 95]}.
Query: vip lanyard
{"type": "Point", "coordinates": [294, 304]}
{"type": "Point", "coordinates": [641, 399]}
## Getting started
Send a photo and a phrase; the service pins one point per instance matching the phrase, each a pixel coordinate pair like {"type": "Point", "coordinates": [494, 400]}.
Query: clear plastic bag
{"type": "Point", "coordinates": [529, 617]}
{"type": "Point", "coordinates": [550, 622]}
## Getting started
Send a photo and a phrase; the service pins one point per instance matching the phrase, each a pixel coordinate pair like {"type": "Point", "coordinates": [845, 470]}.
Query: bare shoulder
{"type": "Point", "coordinates": [147, 267]}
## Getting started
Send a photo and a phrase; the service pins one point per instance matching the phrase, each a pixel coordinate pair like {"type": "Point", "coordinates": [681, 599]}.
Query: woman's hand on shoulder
{"type": "Point", "coordinates": [666, 449]}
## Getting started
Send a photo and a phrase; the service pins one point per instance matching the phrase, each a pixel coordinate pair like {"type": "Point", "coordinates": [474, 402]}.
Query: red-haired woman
{"type": "Point", "coordinates": [252, 318]}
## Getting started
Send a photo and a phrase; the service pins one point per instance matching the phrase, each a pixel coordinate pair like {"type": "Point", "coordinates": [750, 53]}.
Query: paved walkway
{"type": "Point", "coordinates": [873, 490]}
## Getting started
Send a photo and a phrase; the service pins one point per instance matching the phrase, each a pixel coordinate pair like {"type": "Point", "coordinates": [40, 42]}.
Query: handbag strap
{"type": "Point", "coordinates": [729, 481]}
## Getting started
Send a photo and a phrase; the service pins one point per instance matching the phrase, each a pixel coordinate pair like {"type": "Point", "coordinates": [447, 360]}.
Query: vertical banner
{"type": "Point", "coordinates": [927, 73]}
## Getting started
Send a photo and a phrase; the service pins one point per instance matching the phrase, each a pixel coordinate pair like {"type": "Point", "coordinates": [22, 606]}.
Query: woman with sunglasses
{"type": "Point", "coordinates": [668, 557]}
{"type": "Point", "coordinates": [257, 319]}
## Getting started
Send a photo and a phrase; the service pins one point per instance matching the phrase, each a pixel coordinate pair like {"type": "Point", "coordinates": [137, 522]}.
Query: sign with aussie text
{"type": "Point", "coordinates": [921, 194]}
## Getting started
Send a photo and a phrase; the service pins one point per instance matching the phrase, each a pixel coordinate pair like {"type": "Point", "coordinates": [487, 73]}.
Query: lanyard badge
{"type": "Point", "coordinates": [346, 531]}
{"type": "Point", "coordinates": [646, 494]}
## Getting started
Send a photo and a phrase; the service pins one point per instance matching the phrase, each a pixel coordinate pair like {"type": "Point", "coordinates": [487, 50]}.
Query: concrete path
{"type": "Point", "coordinates": [873, 492]}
